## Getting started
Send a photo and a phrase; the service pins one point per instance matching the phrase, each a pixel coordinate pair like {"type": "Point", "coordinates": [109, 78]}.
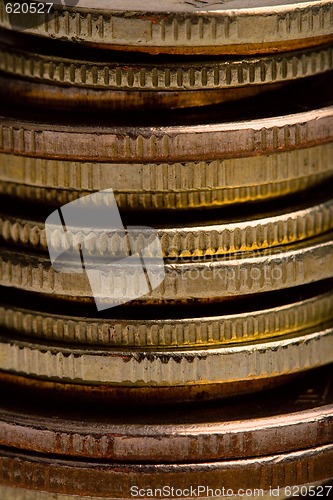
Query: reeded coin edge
{"type": "Point", "coordinates": [199, 331]}
{"type": "Point", "coordinates": [183, 443]}
{"type": "Point", "coordinates": [201, 32]}
{"type": "Point", "coordinates": [172, 200]}
{"type": "Point", "coordinates": [177, 143]}
{"type": "Point", "coordinates": [105, 479]}
{"type": "Point", "coordinates": [210, 239]}
{"type": "Point", "coordinates": [167, 77]}
{"type": "Point", "coordinates": [169, 178]}
{"type": "Point", "coordinates": [265, 359]}
{"type": "Point", "coordinates": [169, 201]}
{"type": "Point", "coordinates": [261, 271]}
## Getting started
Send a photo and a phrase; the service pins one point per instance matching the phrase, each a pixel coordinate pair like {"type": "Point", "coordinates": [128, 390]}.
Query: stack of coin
{"type": "Point", "coordinates": [200, 121]}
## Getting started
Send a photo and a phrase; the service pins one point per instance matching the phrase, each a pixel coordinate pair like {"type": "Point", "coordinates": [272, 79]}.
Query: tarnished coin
{"type": "Point", "coordinates": [195, 27]}
{"type": "Point", "coordinates": [229, 323]}
{"type": "Point", "coordinates": [26, 92]}
{"type": "Point", "coordinates": [148, 396]}
{"type": "Point", "coordinates": [272, 422]}
{"type": "Point", "coordinates": [114, 480]}
{"type": "Point", "coordinates": [186, 279]}
{"type": "Point", "coordinates": [46, 64]}
{"type": "Point", "coordinates": [122, 366]}
{"type": "Point", "coordinates": [224, 232]}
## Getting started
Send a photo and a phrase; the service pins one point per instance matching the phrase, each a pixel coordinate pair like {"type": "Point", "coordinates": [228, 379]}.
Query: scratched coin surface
{"type": "Point", "coordinates": [186, 279]}
{"type": "Point", "coordinates": [122, 366]}
{"type": "Point", "coordinates": [230, 323]}
{"type": "Point", "coordinates": [219, 232]}
{"type": "Point", "coordinates": [276, 421]}
{"type": "Point", "coordinates": [194, 27]}
{"type": "Point", "coordinates": [168, 186]}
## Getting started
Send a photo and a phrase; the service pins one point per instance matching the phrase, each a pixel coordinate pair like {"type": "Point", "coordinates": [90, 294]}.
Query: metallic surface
{"type": "Point", "coordinates": [105, 72]}
{"type": "Point", "coordinates": [25, 92]}
{"type": "Point", "coordinates": [205, 279]}
{"type": "Point", "coordinates": [160, 143]}
{"type": "Point", "coordinates": [276, 421]}
{"type": "Point", "coordinates": [122, 366]}
{"type": "Point", "coordinates": [185, 27]}
{"type": "Point", "coordinates": [220, 233]}
{"type": "Point", "coordinates": [168, 185]}
{"type": "Point", "coordinates": [244, 321]}
{"type": "Point", "coordinates": [149, 396]}
{"type": "Point", "coordinates": [106, 480]}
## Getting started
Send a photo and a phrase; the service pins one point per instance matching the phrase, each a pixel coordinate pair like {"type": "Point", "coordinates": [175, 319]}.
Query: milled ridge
{"type": "Point", "coordinates": [275, 357]}
{"type": "Point", "coordinates": [170, 201]}
{"type": "Point", "coordinates": [24, 470]}
{"type": "Point", "coordinates": [177, 143]}
{"type": "Point", "coordinates": [195, 76]}
{"type": "Point", "coordinates": [234, 328]}
{"type": "Point", "coordinates": [209, 239]}
{"type": "Point", "coordinates": [251, 272]}
{"type": "Point", "coordinates": [169, 178]}
{"type": "Point", "coordinates": [195, 30]}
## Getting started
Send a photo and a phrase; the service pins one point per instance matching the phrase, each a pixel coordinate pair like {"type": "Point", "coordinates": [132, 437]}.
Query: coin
{"type": "Point", "coordinates": [243, 321]}
{"type": "Point", "coordinates": [33, 94]}
{"type": "Point", "coordinates": [276, 421]}
{"type": "Point", "coordinates": [98, 70]}
{"type": "Point", "coordinates": [194, 27]}
{"type": "Point", "coordinates": [149, 396]}
{"type": "Point", "coordinates": [168, 185]}
{"type": "Point", "coordinates": [221, 233]}
{"type": "Point", "coordinates": [105, 479]}
{"type": "Point", "coordinates": [122, 366]}
{"type": "Point", "coordinates": [205, 279]}
{"type": "Point", "coordinates": [159, 143]}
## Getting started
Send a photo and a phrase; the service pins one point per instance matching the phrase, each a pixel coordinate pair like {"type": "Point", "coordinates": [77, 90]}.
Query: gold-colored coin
{"type": "Point", "coordinates": [194, 27]}
{"type": "Point", "coordinates": [168, 185]}
{"type": "Point", "coordinates": [205, 279]}
{"type": "Point", "coordinates": [265, 359]}
{"type": "Point", "coordinates": [223, 233]}
{"type": "Point", "coordinates": [244, 321]}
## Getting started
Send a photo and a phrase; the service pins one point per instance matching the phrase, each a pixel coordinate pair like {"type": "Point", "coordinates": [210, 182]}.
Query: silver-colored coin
{"type": "Point", "coordinates": [194, 26]}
